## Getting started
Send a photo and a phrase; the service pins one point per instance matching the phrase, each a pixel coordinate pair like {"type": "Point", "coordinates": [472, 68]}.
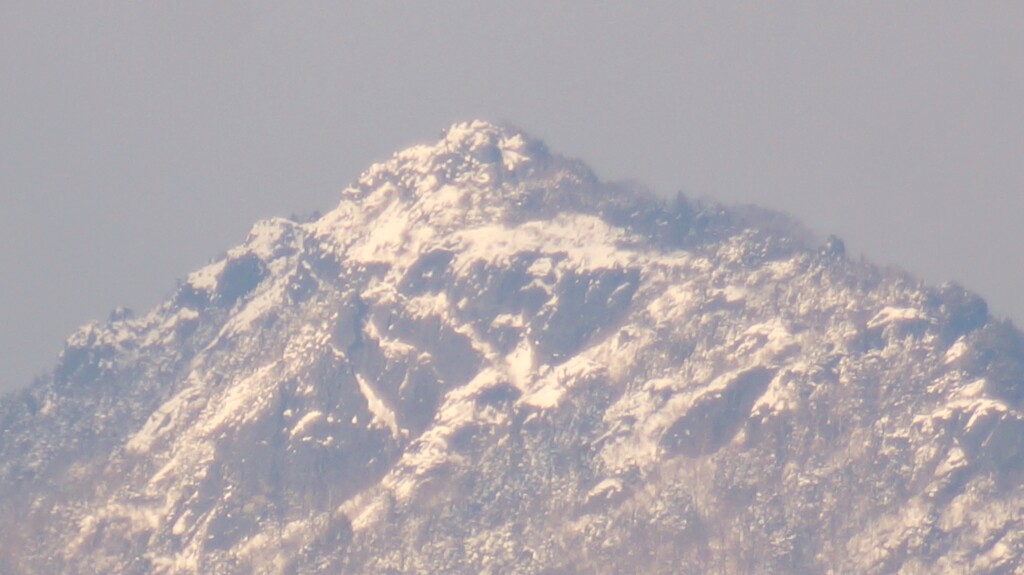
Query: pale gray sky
{"type": "Point", "coordinates": [138, 139]}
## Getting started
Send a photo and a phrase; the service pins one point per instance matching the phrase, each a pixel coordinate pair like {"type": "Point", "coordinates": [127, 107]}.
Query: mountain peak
{"type": "Point", "coordinates": [485, 360]}
{"type": "Point", "coordinates": [483, 138]}
{"type": "Point", "coordinates": [477, 154]}
{"type": "Point", "coordinates": [478, 172]}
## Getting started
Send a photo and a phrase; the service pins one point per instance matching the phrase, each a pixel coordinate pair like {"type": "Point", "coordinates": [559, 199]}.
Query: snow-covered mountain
{"type": "Point", "coordinates": [485, 360]}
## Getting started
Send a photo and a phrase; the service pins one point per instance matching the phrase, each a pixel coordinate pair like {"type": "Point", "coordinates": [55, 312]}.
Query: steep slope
{"type": "Point", "coordinates": [484, 360]}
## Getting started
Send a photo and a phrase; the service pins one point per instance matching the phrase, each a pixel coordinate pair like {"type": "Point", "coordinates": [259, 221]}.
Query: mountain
{"type": "Point", "coordinates": [485, 360]}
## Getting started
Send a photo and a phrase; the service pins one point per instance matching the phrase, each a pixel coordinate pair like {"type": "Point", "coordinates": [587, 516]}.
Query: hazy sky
{"type": "Point", "coordinates": [139, 139]}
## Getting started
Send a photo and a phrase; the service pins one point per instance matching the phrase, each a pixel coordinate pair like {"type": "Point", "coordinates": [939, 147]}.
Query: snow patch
{"type": "Point", "coordinates": [307, 421]}
{"type": "Point", "coordinates": [895, 315]}
{"type": "Point", "coordinates": [956, 459]}
{"type": "Point", "coordinates": [382, 413]}
{"type": "Point", "coordinates": [206, 277]}
{"type": "Point", "coordinates": [956, 351]}
{"type": "Point", "coordinates": [548, 390]}
{"type": "Point", "coordinates": [513, 152]}
{"type": "Point", "coordinates": [606, 489]}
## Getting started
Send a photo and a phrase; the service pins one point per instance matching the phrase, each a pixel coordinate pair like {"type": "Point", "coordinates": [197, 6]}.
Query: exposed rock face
{"type": "Point", "coordinates": [487, 361]}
